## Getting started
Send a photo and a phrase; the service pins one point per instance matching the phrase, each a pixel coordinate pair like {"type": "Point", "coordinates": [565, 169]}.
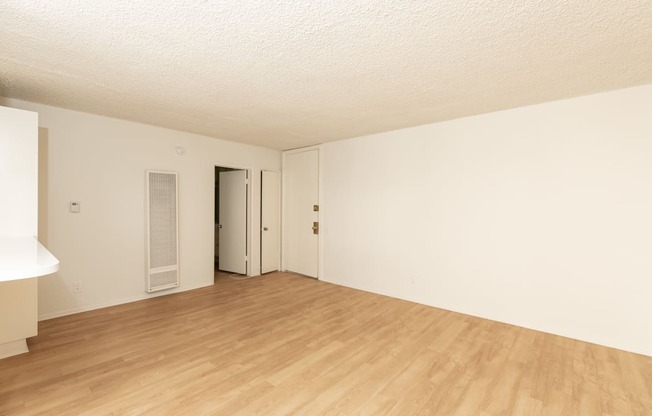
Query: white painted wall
{"type": "Point", "coordinates": [18, 217]}
{"type": "Point", "coordinates": [539, 216]}
{"type": "Point", "coordinates": [18, 172]}
{"type": "Point", "coordinates": [101, 162]}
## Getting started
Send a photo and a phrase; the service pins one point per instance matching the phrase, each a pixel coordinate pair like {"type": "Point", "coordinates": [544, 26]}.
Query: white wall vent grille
{"type": "Point", "coordinates": [162, 231]}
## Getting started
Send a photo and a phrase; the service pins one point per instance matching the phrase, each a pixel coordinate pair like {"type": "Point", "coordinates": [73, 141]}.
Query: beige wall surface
{"type": "Point", "coordinates": [539, 216]}
{"type": "Point", "coordinates": [101, 163]}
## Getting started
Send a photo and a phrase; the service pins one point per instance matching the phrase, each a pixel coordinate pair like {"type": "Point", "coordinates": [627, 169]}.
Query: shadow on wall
{"type": "Point", "coordinates": [43, 191]}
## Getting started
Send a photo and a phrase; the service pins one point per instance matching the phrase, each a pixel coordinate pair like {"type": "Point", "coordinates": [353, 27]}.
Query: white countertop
{"type": "Point", "coordinates": [24, 257]}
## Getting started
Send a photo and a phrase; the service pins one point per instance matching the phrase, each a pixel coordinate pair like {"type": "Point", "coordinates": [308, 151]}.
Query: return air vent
{"type": "Point", "coordinates": [162, 231]}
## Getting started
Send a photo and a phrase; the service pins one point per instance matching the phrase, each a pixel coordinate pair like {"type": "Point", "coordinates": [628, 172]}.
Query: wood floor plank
{"type": "Point", "coordinates": [282, 344]}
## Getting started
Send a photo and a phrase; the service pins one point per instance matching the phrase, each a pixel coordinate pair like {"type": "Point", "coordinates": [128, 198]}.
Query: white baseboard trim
{"type": "Point", "coordinates": [115, 302]}
{"type": "Point", "coordinates": [9, 349]}
{"type": "Point", "coordinates": [515, 321]}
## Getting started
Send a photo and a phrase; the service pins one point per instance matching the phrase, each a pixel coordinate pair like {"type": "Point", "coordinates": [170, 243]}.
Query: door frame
{"type": "Point", "coordinates": [248, 214]}
{"type": "Point", "coordinates": [320, 216]}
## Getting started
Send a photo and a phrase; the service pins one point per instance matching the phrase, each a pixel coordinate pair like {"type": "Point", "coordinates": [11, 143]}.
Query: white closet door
{"type": "Point", "coordinates": [270, 222]}
{"type": "Point", "coordinates": [233, 221]}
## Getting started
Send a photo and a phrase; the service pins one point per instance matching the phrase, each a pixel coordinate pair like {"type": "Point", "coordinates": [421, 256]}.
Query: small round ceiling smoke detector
{"type": "Point", "coordinates": [181, 151]}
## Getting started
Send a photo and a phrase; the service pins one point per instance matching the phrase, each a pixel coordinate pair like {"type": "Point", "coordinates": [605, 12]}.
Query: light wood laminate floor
{"type": "Point", "coordinates": [282, 344]}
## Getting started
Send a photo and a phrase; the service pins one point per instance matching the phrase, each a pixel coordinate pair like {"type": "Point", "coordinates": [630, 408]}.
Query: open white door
{"type": "Point", "coordinates": [233, 221]}
{"type": "Point", "coordinates": [301, 212]}
{"type": "Point", "coordinates": [270, 222]}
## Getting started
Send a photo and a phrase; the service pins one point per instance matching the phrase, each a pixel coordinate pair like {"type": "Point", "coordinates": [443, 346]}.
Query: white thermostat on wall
{"type": "Point", "coordinates": [75, 207]}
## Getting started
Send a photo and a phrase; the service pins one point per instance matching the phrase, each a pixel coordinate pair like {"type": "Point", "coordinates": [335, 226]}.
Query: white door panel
{"type": "Point", "coordinates": [301, 194]}
{"type": "Point", "coordinates": [233, 221]}
{"type": "Point", "coordinates": [270, 222]}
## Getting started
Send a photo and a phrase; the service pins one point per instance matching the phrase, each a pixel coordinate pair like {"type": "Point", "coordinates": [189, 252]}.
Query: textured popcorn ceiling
{"type": "Point", "coordinates": [288, 73]}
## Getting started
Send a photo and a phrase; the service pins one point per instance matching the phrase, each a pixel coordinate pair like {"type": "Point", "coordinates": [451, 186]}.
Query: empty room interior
{"type": "Point", "coordinates": [325, 208]}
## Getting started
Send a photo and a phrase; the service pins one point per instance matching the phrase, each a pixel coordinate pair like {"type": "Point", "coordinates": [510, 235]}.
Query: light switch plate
{"type": "Point", "coordinates": [75, 207]}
